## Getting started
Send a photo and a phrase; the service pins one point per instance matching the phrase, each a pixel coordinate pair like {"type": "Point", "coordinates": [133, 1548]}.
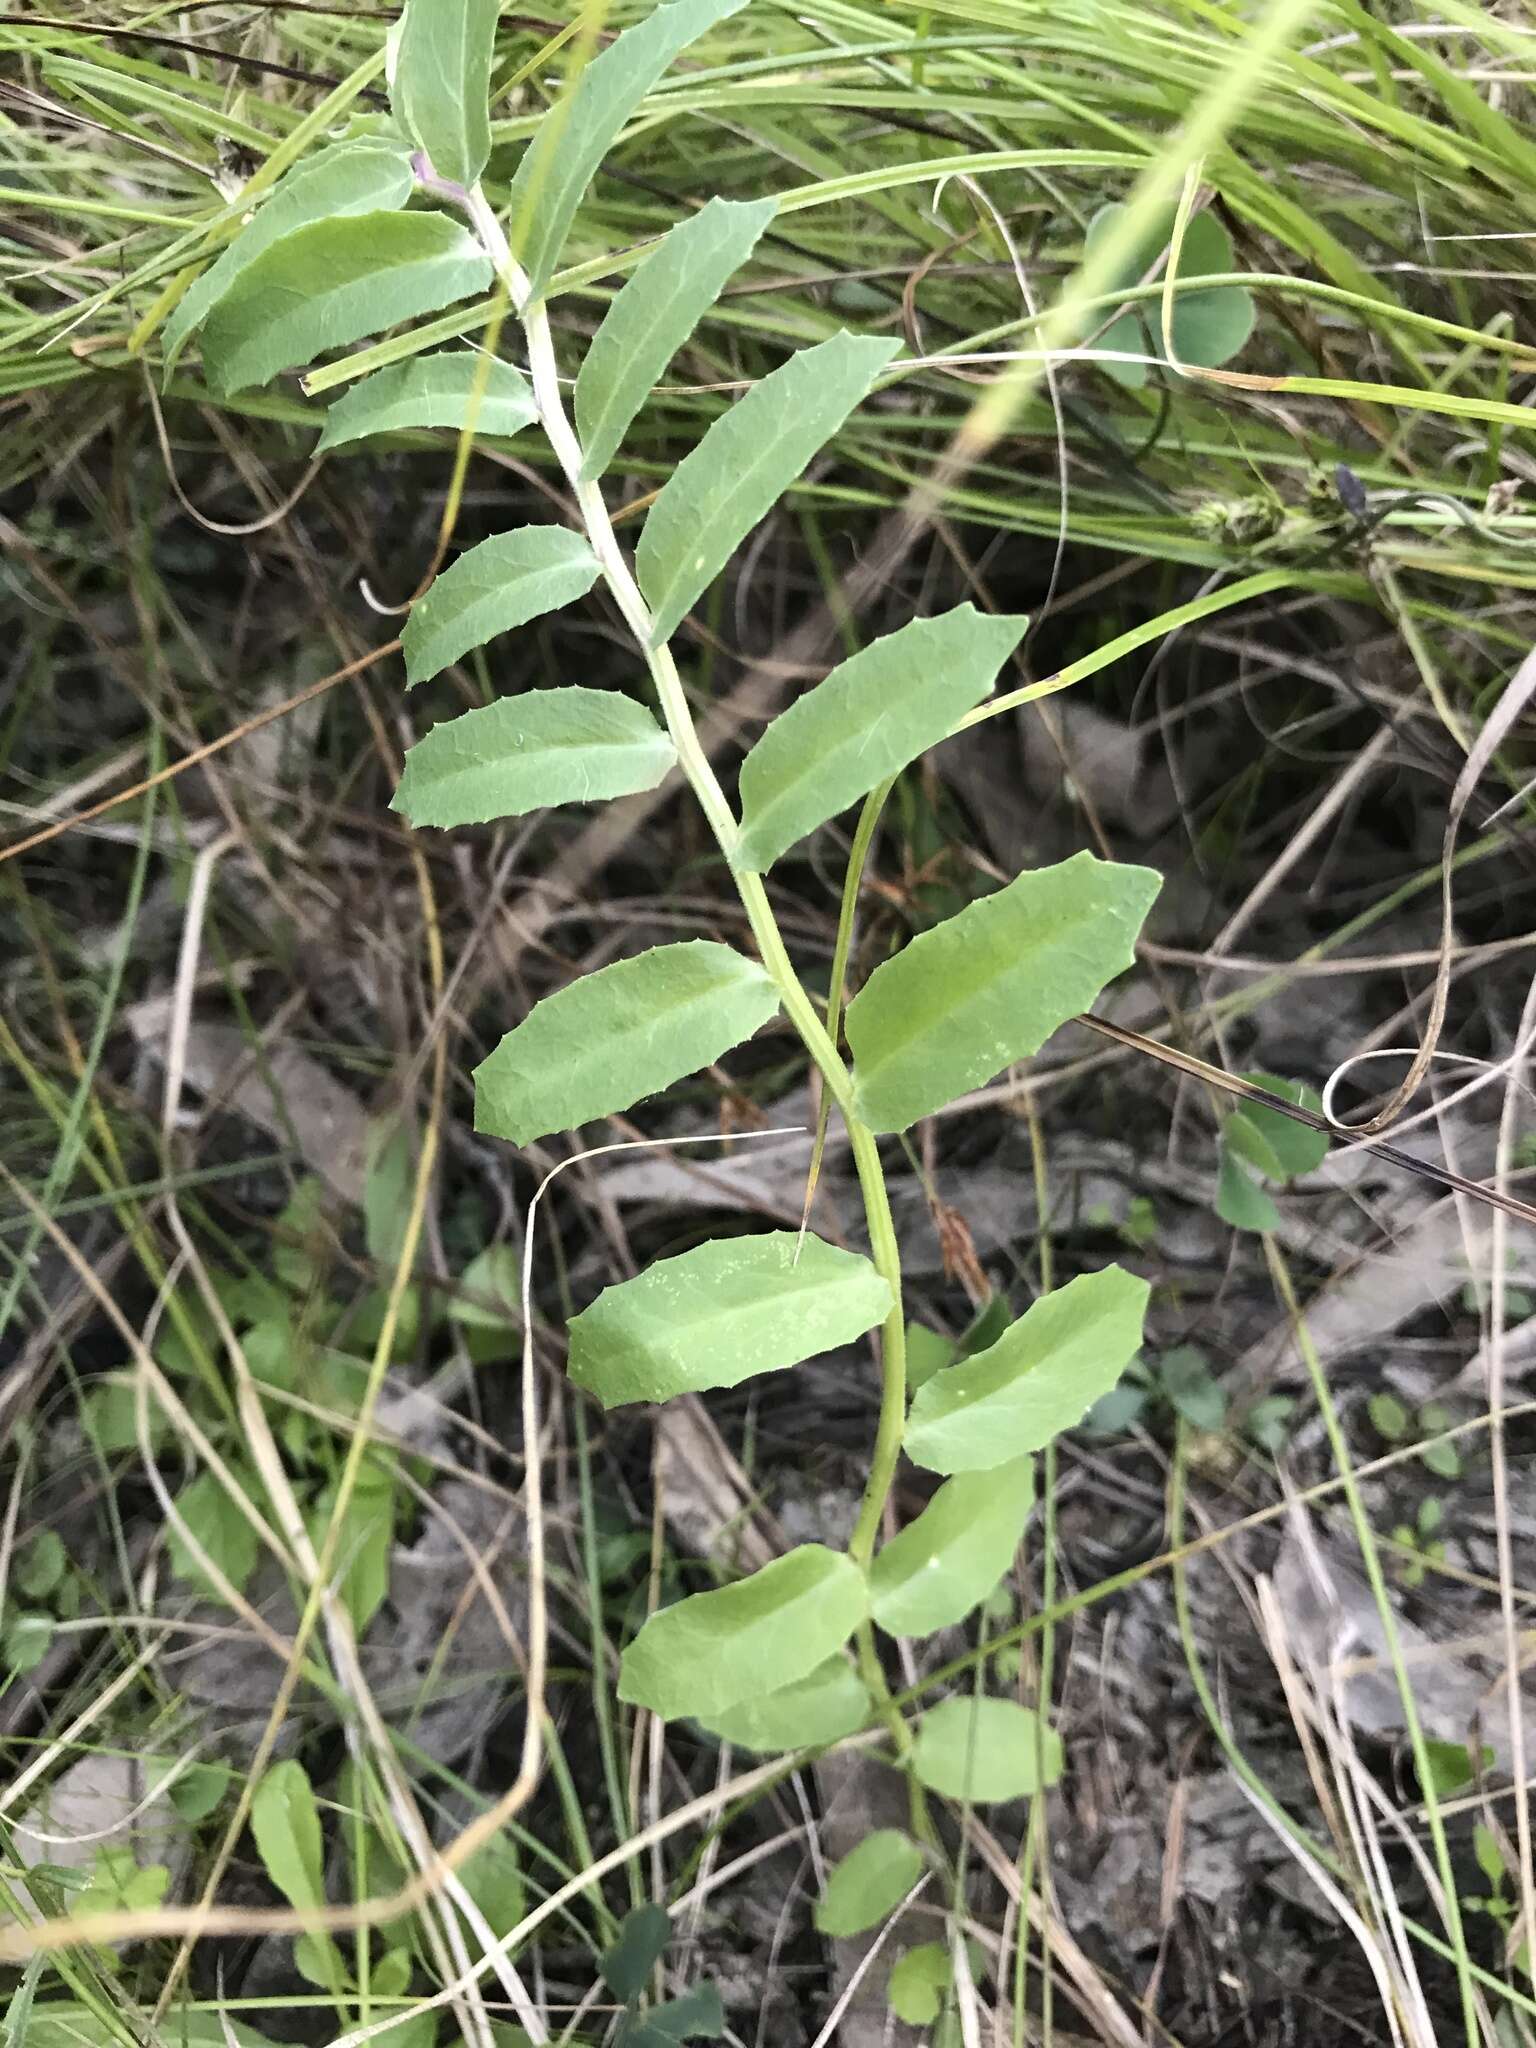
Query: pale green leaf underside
{"type": "Point", "coordinates": [874, 714]}
{"type": "Point", "coordinates": [869, 1884]}
{"type": "Point", "coordinates": [961, 1002]}
{"type": "Point", "coordinates": [583, 124]}
{"type": "Point", "coordinates": [455, 388]}
{"type": "Point", "coordinates": [365, 176]}
{"type": "Point", "coordinates": [627, 1031]}
{"type": "Point", "coordinates": [946, 1562]}
{"type": "Point", "coordinates": [522, 753]}
{"type": "Point", "coordinates": [504, 582]}
{"type": "Point", "coordinates": [1041, 1376]}
{"type": "Point", "coordinates": [1209, 328]}
{"type": "Point", "coordinates": [329, 284]}
{"type": "Point", "coordinates": [713, 1651]}
{"type": "Point", "coordinates": [984, 1749]}
{"type": "Point", "coordinates": [440, 90]}
{"type": "Point", "coordinates": [749, 456]}
{"type": "Point", "coordinates": [832, 1703]}
{"type": "Point", "coordinates": [721, 1314]}
{"type": "Point", "coordinates": [654, 315]}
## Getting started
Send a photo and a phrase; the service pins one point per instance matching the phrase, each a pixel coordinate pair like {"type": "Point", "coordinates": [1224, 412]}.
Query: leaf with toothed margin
{"type": "Point", "coordinates": [440, 82]}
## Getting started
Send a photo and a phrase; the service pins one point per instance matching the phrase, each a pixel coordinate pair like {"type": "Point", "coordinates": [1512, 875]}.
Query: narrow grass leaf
{"type": "Point", "coordinates": [504, 582]}
{"type": "Point", "coordinates": [990, 985]}
{"type": "Point", "coordinates": [984, 1749]}
{"type": "Point", "coordinates": [874, 714]}
{"type": "Point", "coordinates": [946, 1562]}
{"type": "Point", "coordinates": [522, 753]}
{"type": "Point", "coordinates": [1039, 1378]}
{"type": "Point", "coordinates": [455, 388]}
{"type": "Point", "coordinates": [654, 315]}
{"type": "Point", "coordinates": [440, 83]}
{"type": "Point", "coordinates": [723, 1313]}
{"type": "Point", "coordinates": [868, 1884]}
{"type": "Point", "coordinates": [750, 455]}
{"type": "Point", "coordinates": [328, 284]}
{"type": "Point", "coordinates": [629, 1030]}
{"type": "Point", "coordinates": [714, 1650]}
{"type": "Point", "coordinates": [831, 1703]}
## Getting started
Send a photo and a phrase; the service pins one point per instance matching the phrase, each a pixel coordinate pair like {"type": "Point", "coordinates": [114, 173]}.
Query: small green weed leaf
{"type": "Point", "coordinates": [391, 1974]}
{"type": "Point", "coordinates": [329, 284]}
{"type": "Point", "coordinates": [627, 1031]}
{"type": "Point", "coordinates": [440, 83]}
{"type": "Point", "coordinates": [984, 1749]}
{"type": "Point", "coordinates": [986, 1326]}
{"type": "Point", "coordinates": [959, 1003]}
{"type": "Point", "coordinates": [697, 2016]}
{"type": "Point", "coordinates": [1247, 1142]}
{"type": "Point", "coordinates": [285, 1822]}
{"type": "Point", "coordinates": [198, 1791]}
{"type": "Point", "coordinates": [387, 1192]}
{"type": "Point", "coordinates": [1240, 1201]}
{"type": "Point", "coordinates": [1118, 1410]}
{"type": "Point", "coordinates": [504, 582]}
{"type": "Point", "coordinates": [1209, 328]}
{"type": "Point", "coordinates": [370, 175]}
{"type": "Point", "coordinates": [493, 1877]}
{"type": "Point", "coordinates": [714, 1650]}
{"type": "Point", "coordinates": [1490, 1857]}
{"type": "Point", "coordinates": [869, 1884]}
{"type": "Point", "coordinates": [522, 753]}
{"type": "Point", "coordinates": [642, 1942]}
{"type": "Point", "coordinates": [1041, 1377]}
{"type": "Point", "coordinates": [433, 391]}
{"type": "Point", "coordinates": [1443, 1459]}
{"type": "Point", "coordinates": [750, 455]}
{"type": "Point", "coordinates": [317, 1961]}
{"type": "Point", "coordinates": [1451, 1768]}
{"type": "Point", "coordinates": [654, 315]}
{"type": "Point", "coordinates": [41, 1565]}
{"type": "Point", "coordinates": [218, 1525]}
{"type": "Point", "coordinates": [927, 1353]}
{"type": "Point", "coordinates": [496, 1274]}
{"type": "Point", "coordinates": [875, 714]}
{"type": "Point", "coordinates": [831, 1703]}
{"type": "Point", "coordinates": [946, 1562]}
{"type": "Point", "coordinates": [1268, 1422]}
{"type": "Point", "coordinates": [1389, 1418]}
{"type": "Point", "coordinates": [918, 1981]}
{"type": "Point", "coordinates": [1184, 1374]}
{"type": "Point", "coordinates": [580, 128]}
{"type": "Point", "coordinates": [58, 2023]}
{"type": "Point", "coordinates": [367, 1537]}
{"type": "Point", "coordinates": [1297, 1148]}
{"type": "Point", "coordinates": [723, 1313]}
{"type": "Point", "coordinates": [25, 1641]}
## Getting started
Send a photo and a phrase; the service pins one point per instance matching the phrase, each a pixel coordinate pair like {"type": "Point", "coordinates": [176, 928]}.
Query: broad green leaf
{"type": "Point", "coordinates": [433, 391]}
{"type": "Point", "coordinates": [329, 284]}
{"type": "Point", "coordinates": [582, 125]}
{"type": "Point", "coordinates": [365, 176]}
{"type": "Point", "coordinates": [504, 582]}
{"type": "Point", "coordinates": [714, 1650]}
{"type": "Point", "coordinates": [218, 1525]}
{"type": "Point", "coordinates": [982, 1749]}
{"type": "Point", "coordinates": [833, 1702]}
{"type": "Point", "coordinates": [724, 485]}
{"type": "Point", "coordinates": [654, 315]}
{"type": "Point", "coordinates": [947, 1561]}
{"type": "Point", "coordinates": [1246, 1141]}
{"type": "Point", "coordinates": [627, 1031]}
{"type": "Point", "coordinates": [198, 1791]}
{"type": "Point", "coordinates": [642, 1942]}
{"type": "Point", "coordinates": [1297, 1148]}
{"type": "Point", "coordinates": [1240, 1201]}
{"type": "Point", "coordinates": [493, 1877]}
{"type": "Point", "coordinates": [927, 1353]}
{"type": "Point", "coordinates": [918, 1981]}
{"type": "Point", "coordinates": [497, 1274]}
{"type": "Point", "coordinates": [25, 1641]}
{"type": "Point", "coordinates": [958, 1004]}
{"type": "Point", "coordinates": [1209, 327]}
{"type": "Point", "coordinates": [869, 1884]}
{"type": "Point", "coordinates": [41, 1565]}
{"type": "Point", "coordinates": [440, 83]}
{"type": "Point", "coordinates": [721, 1314]}
{"type": "Point", "coordinates": [1040, 1377]}
{"type": "Point", "coordinates": [285, 1822]}
{"type": "Point", "coordinates": [515, 755]}
{"type": "Point", "coordinates": [873, 715]}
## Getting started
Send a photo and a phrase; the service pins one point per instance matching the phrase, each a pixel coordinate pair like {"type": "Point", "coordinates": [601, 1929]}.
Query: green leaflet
{"type": "Point", "coordinates": [579, 129]}
{"type": "Point", "coordinates": [918, 1981]}
{"type": "Point", "coordinates": [504, 582]}
{"type": "Point", "coordinates": [721, 1314]}
{"type": "Point", "coordinates": [869, 1884]}
{"type": "Point", "coordinates": [724, 485]}
{"type": "Point", "coordinates": [982, 1749]}
{"type": "Point", "coordinates": [495, 1273]}
{"type": "Point", "coordinates": [627, 1964]}
{"type": "Point", "coordinates": [365, 176]}
{"type": "Point", "coordinates": [219, 1528]}
{"type": "Point", "coordinates": [961, 1002]}
{"type": "Point", "coordinates": [874, 714]}
{"type": "Point", "coordinates": [1240, 1201]}
{"type": "Point", "coordinates": [285, 1822]}
{"type": "Point", "coordinates": [626, 1031]}
{"type": "Point", "coordinates": [440, 82]}
{"type": "Point", "coordinates": [1292, 1147]}
{"type": "Point", "coordinates": [947, 1561]}
{"type": "Point", "coordinates": [519, 754]}
{"type": "Point", "coordinates": [332, 282]}
{"type": "Point", "coordinates": [1041, 1376]}
{"type": "Point", "coordinates": [654, 315]}
{"type": "Point", "coordinates": [1209, 328]}
{"type": "Point", "coordinates": [432, 391]}
{"type": "Point", "coordinates": [714, 1650]}
{"type": "Point", "coordinates": [831, 1703]}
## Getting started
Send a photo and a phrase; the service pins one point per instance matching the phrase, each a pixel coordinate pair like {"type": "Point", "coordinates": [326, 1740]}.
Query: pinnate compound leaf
{"type": "Point", "coordinates": [983, 1749]}
{"type": "Point", "coordinates": [721, 1314]}
{"type": "Point", "coordinates": [813, 1712]}
{"type": "Point", "coordinates": [947, 1561]}
{"type": "Point", "coordinates": [450, 389]}
{"type": "Point", "coordinates": [1209, 328]}
{"type": "Point", "coordinates": [724, 486]}
{"type": "Point", "coordinates": [869, 1884]}
{"type": "Point", "coordinates": [1040, 1377]}
{"type": "Point", "coordinates": [654, 315]}
{"type": "Point", "coordinates": [626, 1031]}
{"type": "Point", "coordinates": [714, 1650]}
{"type": "Point", "coordinates": [874, 714]}
{"type": "Point", "coordinates": [440, 83]}
{"type": "Point", "coordinates": [580, 128]}
{"type": "Point", "coordinates": [520, 753]}
{"type": "Point", "coordinates": [328, 284]}
{"type": "Point", "coordinates": [990, 985]}
{"type": "Point", "coordinates": [504, 582]}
